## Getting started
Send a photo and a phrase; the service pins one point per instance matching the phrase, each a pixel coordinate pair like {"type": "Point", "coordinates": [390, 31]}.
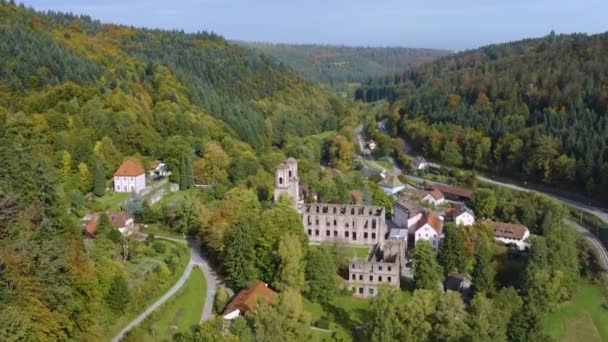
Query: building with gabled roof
{"type": "Point", "coordinates": [247, 299]}
{"type": "Point", "coordinates": [391, 185]}
{"type": "Point", "coordinates": [435, 197]}
{"type": "Point", "coordinates": [419, 163]}
{"type": "Point", "coordinates": [130, 177]}
{"type": "Point", "coordinates": [429, 227]}
{"type": "Point", "coordinates": [509, 233]}
{"type": "Point", "coordinates": [460, 215]}
{"type": "Point", "coordinates": [453, 193]}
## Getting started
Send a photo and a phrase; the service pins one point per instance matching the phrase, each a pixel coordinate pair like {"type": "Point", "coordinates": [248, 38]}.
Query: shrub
{"type": "Point", "coordinates": [221, 299]}
{"type": "Point", "coordinates": [159, 247]}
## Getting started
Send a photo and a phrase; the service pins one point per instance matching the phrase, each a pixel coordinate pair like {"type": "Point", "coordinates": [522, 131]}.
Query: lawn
{"type": "Point", "coordinates": [173, 197]}
{"type": "Point", "coordinates": [179, 313]}
{"type": "Point", "coordinates": [359, 252]}
{"type": "Point", "coordinates": [582, 319]}
{"type": "Point", "coordinates": [110, 201]}
{"type": "Point", "coordinates": [137, 270]}
{"type": "Point", "coordinates": [346, 311]}
{"type": "Point", "coordinates": [159, 229]}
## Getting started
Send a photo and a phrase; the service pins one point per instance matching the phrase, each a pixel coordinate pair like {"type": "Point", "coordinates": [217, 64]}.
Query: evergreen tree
{"type": "Point", "coordinates": [99, 181]}
{"type": "Point", "coordinates": [483, 272]}
{"type": "Point", "coordinates": [135, 205]}
{"type": "Point", "coordinates": [240, 257]}
{"type": "Point", "coordinates": [451, 252]}
{"type": "Point", "coordinates": [118, 296]}
{"type": "Point", "coordinates": [291, 270]}
{"type": "Point", "coordinates": [185, 168]}
{"type": "Point", "coordinates": [321, 271]}
{"type": "Point", "coordinates": [427, 273]}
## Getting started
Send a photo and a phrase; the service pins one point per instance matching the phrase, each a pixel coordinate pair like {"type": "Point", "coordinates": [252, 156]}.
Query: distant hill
{"type": "Point", "coordinates": [536, 109]}
{"type": "Point", "coordinates": [339, 64]}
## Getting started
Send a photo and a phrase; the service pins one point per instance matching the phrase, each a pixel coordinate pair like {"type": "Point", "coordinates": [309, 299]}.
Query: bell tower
{"type": "Point", "coordinates": [287, 181]}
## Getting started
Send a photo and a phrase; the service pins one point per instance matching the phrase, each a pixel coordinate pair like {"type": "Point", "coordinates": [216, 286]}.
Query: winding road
{"type": "Point", "coordinates": [196, 260]}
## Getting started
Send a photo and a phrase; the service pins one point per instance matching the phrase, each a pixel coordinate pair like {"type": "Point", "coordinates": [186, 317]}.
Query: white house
{"type": "Point", "coordinates": [391, 185]}
{"type": "Point", "coordinates": [158, 168]}
{"type": "Point", "coordinates": [123, 222]}
{"type": "Point", "coordinates": [129, 177]}
{"type": "Point", "coordinates": [419, 163]}
{"type": "Point", "coordinates": [371, 144]}
{"type": "Point", "coordinates": [461, 215]}
{"type": "Point", "coordinates": [508, 233]}
{"type": "Point", "coordinates": [429, 227]}
{"type": "Point", "coordinates": [434, 197]}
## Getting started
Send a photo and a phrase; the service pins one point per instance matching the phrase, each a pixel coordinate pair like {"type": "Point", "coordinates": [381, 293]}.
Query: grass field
{"type": "Point", "coordinates": [110, 201]}
{"type": "Point", "coordinates": [161, 230]}
{"type": "Point", "coordinates": [181, 312]}
{"type": "Point", "coordinates": [136, 270]}
{"type": "Point", "coordinates": [346, 311]}
{"type": "Point", "coordinates": [583, 319]}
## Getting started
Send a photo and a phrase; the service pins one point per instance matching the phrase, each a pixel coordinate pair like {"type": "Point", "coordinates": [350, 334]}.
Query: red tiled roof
{"type": "Point", "coordinates": [90, 229]}
{"type": "Point", "coordinates": [436, 194]}
{"type": "Point", "coordinates": [507, 230]}
{"type": "Point", "coordinates": [432, 220]}
{"type": "Point", "coordinates": [118, 219]}
{"type": "Point", "coordinates": [464, 193]}
{"type": "Point", "coordinates": [129, 169]}
{"type": "Point", "coordinates": [247, 298]}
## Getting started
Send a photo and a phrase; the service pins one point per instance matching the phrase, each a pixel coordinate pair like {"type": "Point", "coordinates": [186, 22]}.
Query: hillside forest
{"type": "Point", "coordinates": [536, 110]}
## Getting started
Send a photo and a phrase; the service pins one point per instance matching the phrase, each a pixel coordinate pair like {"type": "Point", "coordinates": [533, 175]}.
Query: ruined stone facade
{"type": "Point", "coordinates": [383, 266]}
{"type": "Point", "coordinates": [287, 181]}
{"type": "Point", "coordinates": [353, 224]}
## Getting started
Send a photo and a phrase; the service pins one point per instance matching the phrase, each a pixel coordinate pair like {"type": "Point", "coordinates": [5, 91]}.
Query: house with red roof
{"type": "Point", "coordinates": [434, 197]}
{"type": "Point", "coordinates": [247, 299]}
{"type": "Point", "coordinates": [130, 177]}
{"type": "Point", "coordinates": [429, 227]}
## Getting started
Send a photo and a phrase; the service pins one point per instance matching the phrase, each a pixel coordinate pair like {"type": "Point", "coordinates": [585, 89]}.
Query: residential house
{"type": "Point", "coordinates": [247, 299]}
{"type": "Point", "coordinates": [391, 185]}
{"type": "Point", "coordinates": [383, 266]}
{"type": "Point", "coordinates": [122, 221]}
{"type": "Point", "coordinates": [510, 234]}
{"type": "Point", "coordinates": [429, 227]}
{"type": "Point", "coordinates": [460, 215]}
{"type": "Point", "coordinates": [129, 177]}
{"type": "Point", "coordinates": [371, 144]}
{"type": "Point", "coordinates": [158, 169]}
{"type": "Point", "coordinates": [419, 163]}
{"type": "Point", "coordinates": [406, 210]}
{"type": "Point", "coordinates": [434, 197]}
{"type": "Point", "coordinates": [90, 227]}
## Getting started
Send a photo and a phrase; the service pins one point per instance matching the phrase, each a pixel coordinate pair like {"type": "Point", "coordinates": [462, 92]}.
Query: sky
{"type": "Point", "coordinates": [443, 24]}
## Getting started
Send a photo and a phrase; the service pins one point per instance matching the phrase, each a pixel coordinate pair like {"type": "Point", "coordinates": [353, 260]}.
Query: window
{"type": "Point", "coordinates": [345, 234]}
{"type": "Point", "coordinates": [360, 290]}
{"type": "Point", "coordinates": [280, 180]}
{"type": "Point", "coordinates": [353, 277]}
{"type": "Point", "coordinates": [379, 278]}
{"type": "Point", "coordinates": [371, 291]}
{"type": "Point", "coordinates": [353, 266]}
{"type": "Point", "coordinates": [373, 223]}
{"type": "Point", "coordinates": [373, 235]}
{"type": "Point", "coordinates": [371, 278]}
{"type": "Point", "coordinates": [309, 232]}
{"type": "Point", "coordinates": [365, 235]}
{"type": "Point", "coordinates": [327, 233]}
{"type": "Point", "coordinates": [335, 222]}
{"type": "Point", "coordinates": [317, 221]}
{"type": "Point", "coordinates": [360, 276]}
{"type": "Point", "coordinates": [316, 232]}
{"type": "Point", "coordinates": [335, 233]}
{"type": "Point", "coordinates": [354, 236]}
{"type": "Point", "coordinates": [290, 173]}
{"type": "Point", "coordinates": [389, 268]}
{"type": "Point", "coordinates": [389, 279]}
{"type": "Point", "coordinates": [379, 268]}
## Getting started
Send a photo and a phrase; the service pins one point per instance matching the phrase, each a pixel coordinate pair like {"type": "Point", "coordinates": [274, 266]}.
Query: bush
{"type": "Point", "coordinates": [221, 299]}
{"type": "Point", "coordinates": [159, 247]}
{"type": "Point", "coordinates": [151, 238]}
{"type": "Point", "coordinates": [322, 323]}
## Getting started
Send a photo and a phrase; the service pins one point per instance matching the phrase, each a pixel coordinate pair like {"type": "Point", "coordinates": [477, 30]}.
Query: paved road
{"type": "Point", "coordinates": [196, 260]}
{"type": "Point", "coordinates": [594, 240]}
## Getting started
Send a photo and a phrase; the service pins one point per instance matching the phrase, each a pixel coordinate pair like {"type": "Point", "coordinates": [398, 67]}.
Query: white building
{"type": "Point", "coordinates": [461, 215]}
{"type": "Point", "coordinates": [419, 163]}
{"type": "Point", "coordinates": [129, 177]}
{"type": "Point", "coordinates": [434, 197]}
{"type": "Point", "coordinates": [391, 185]}
{"type": "Point", "coordinates": [510, 234]}
{"type": "Point", "coordinates": [287, 182]}
{"type": "Point", "coordinates": [429, 227]}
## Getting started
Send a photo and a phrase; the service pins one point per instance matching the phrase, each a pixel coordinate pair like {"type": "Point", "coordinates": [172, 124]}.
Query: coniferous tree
{"type": "Point", "coordinates": [321, 273]}
{"type": "Point", "coordinates": [118, 296]}
{"type": "Point", "coordinates": [99, 181]}
{"type": "Point", "coordinates": [427, 273]}
{"type": "Point", "coordinates": [483, 272]}
{"type": "Point", "coordinates": [451, 252]}
{"type": "Point", "coordinates": [240, 256]}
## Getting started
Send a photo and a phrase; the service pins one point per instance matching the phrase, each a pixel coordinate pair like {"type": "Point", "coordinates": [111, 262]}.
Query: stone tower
{"type": "Point", "coordinates": [287, 181]}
